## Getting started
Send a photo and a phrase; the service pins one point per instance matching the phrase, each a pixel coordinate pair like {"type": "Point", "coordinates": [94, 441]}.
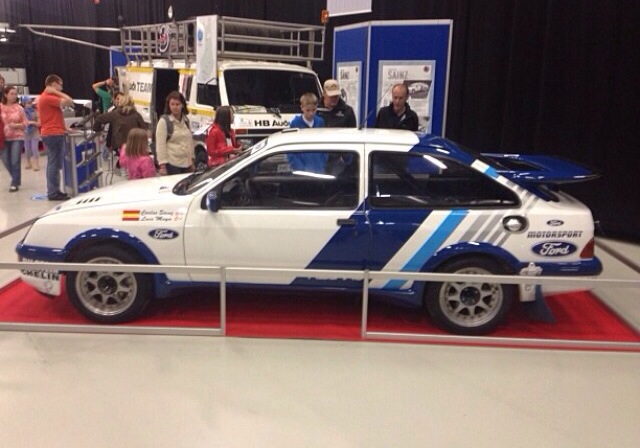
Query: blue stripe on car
{"type": "Point", "coordinates": [350, 240]}
{"type": "Point", "coordinates": [439, 236]}
{"type": "Point", "coordinates": [490, 171]}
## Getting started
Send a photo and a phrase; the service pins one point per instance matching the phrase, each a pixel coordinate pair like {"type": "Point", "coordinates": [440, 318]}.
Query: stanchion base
{"type": "Point", "coordinates": [538, 310]}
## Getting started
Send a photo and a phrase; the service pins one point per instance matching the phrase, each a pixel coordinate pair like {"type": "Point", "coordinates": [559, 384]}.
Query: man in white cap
{"type": "Point", "coordinates": [335, 113]}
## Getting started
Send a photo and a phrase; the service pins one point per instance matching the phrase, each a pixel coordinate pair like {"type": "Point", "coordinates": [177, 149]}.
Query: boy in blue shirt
{"type": "Point", "coordinates": [308, 117]}
{"type": "Point", "coordinates": [309, 161]}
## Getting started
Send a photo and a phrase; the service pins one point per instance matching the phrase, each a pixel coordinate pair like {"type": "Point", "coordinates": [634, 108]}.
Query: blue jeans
{"type": "Point", "coordinates": [11, 156]}
{"type": "Point", "coordinates": [54, 144]}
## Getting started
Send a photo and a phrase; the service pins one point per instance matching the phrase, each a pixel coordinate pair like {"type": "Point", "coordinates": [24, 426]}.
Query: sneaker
{"type": "Point", "coordinates": [27, 166]}
{"type": "Point", "coordinates": [13, 189]}
{"type": "Point", "coordinates": [59, 196]}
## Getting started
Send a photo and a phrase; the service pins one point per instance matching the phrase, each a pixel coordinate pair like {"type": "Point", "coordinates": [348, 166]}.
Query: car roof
{"type": "Point", "coordinates": [344, 135]}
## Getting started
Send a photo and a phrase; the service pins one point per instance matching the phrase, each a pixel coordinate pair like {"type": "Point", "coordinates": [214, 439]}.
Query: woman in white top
{"type": "Point", "coordinates": [174, 141]}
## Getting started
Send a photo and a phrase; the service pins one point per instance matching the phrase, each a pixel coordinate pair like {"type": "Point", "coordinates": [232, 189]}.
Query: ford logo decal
{"type": "Point", "coordinates": [555, 222]}
{"type": "Point", "coordinates": [554, 249]}
{"type": "Point", "coordinates": [163, 234]}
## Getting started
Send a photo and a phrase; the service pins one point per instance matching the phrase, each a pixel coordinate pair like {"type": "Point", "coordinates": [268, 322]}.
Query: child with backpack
{"type": "Point", "coordinates": [134, 155]}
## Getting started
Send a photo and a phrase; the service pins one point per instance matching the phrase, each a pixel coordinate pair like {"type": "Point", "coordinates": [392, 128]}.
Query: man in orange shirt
{"type": "Point", "coordinates": [52, 130]}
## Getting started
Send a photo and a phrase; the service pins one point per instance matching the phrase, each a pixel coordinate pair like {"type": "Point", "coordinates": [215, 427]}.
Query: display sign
{"type": "Point", "coordinates": [418, 76]}
{"type": "Point", "coordinates": [349, 75]}
{"type": "Point", "coordinates": [389, 54]}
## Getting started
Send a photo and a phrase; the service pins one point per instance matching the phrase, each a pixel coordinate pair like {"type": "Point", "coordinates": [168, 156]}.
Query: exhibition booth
{"type": "Point", "coordinates": [369, 58]}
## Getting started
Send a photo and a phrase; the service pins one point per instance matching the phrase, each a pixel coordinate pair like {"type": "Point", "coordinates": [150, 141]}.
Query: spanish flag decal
{"type": "Point", "coordinates": [131, 215]}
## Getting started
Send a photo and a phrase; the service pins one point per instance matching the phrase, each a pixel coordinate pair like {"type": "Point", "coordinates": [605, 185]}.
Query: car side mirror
{"type": "Point", "coordinates": [213, 201]}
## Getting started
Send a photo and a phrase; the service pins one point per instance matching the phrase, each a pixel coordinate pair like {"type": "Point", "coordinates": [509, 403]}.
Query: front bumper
{"type": "Point", "coordinates": [47, 281]}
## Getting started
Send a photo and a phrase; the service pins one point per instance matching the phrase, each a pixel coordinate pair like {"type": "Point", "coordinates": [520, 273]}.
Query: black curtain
{"type": "Point", "coordinates": [548, 76]}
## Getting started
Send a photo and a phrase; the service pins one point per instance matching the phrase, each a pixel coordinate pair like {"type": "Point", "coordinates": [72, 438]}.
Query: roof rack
{"type": "Point", "coordinates": [237, 38]}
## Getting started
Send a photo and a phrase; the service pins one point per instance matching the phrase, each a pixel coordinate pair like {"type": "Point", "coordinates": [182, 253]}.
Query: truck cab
{"type": "Point", "coordinates": [261, 69]}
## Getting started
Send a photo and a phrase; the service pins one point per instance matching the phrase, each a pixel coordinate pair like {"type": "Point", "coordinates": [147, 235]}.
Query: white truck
{"type": "Point", "coordinates": [260, 68]}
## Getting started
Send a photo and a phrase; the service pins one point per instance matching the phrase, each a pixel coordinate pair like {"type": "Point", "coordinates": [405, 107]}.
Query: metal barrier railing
{"type": "Point", "coordinates": [224, 275]}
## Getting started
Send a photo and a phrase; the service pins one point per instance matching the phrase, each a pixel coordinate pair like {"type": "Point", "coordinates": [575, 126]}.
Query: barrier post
{"type": "Point", "coordinates": [365, 304]}
{"type": "Point", "coordinates": [223, 301]}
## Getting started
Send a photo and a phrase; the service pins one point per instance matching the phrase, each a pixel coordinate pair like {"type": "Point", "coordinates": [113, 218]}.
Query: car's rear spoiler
{"type": "Point", "coordinates": [540, 169]}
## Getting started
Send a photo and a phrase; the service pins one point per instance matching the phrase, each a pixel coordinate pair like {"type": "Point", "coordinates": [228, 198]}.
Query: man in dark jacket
{"type": "Point", "coordinates": [398, 114]}
{"type": "Point", "coordinates": [335, 113]}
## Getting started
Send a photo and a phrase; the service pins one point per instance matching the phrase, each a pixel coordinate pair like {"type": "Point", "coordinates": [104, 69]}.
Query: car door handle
{"type": "Point", "coordinates": [347, 222]}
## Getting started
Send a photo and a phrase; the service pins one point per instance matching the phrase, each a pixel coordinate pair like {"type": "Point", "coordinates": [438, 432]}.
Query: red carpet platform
{"type": "Point", "coordinates": [579, 316]}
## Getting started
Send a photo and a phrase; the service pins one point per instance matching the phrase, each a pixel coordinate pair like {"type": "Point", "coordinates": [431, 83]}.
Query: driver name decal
{"type": "Point", "coordinates": [160, 215]}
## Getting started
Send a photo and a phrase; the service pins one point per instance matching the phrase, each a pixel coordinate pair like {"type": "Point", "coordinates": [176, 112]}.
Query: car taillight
{"type": "Point", "coordinates": [242, 131]}
{"type": "Point", "coordinates": [589, 249]}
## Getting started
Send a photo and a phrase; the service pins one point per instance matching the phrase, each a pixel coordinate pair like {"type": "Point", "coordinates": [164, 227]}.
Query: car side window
{"type": "Point", "coordinates": [399, 180]}
{"type": "Point", "coordinates": [296, 180]}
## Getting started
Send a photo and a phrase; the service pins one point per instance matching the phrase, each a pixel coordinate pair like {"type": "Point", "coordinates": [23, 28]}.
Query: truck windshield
{"type": "Point", "coordinates": [272, 89]}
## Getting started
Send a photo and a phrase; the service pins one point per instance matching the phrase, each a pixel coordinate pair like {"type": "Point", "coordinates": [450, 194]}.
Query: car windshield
{"type": "Point", "coordinates": [271, 89]}
{"type": "Point", "coordinates": [198, 180]}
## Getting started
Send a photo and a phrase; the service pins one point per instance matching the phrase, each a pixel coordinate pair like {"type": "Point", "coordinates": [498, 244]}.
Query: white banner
{"type": "Point", "coordinates": [345, 7]}
{"type": "Point", "coordinates": [206, 49]}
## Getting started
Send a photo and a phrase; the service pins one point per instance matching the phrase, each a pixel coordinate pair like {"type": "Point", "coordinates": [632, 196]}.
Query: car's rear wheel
{"type": "Point", "coordinates": [470, 307]}
{"type": "Point", "coordinates": [108, 296]}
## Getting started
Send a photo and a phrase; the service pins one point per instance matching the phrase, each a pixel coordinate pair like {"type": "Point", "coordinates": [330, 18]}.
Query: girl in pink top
{"type": "Point", "coordinates": [15, 122]}
{"type": "Point", "coordinates": [134, 155]}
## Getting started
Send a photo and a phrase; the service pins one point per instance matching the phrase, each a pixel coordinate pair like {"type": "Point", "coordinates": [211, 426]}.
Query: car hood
{"type": "Point", "coordinates": [129, 192]}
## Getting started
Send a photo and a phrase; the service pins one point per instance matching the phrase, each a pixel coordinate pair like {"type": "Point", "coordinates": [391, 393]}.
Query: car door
{"type": "Point", "coordinates": [278, 212]}
{"type": "Point", "coordinates": [418, 203]}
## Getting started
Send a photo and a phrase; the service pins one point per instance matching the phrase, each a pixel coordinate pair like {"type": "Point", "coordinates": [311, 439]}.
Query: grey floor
{"type": "Point", "coordinates": [81, 390]}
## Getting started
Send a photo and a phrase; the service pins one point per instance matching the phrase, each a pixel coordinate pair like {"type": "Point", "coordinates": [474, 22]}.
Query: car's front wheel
{"type": "Point", "coordinates": [472, 307]}
{"type": "Point", "coordinates": [108, 296]}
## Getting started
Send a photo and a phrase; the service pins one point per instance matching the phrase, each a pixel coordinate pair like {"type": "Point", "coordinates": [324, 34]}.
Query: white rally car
{"type": "Point", "coordinates": [342, 199]}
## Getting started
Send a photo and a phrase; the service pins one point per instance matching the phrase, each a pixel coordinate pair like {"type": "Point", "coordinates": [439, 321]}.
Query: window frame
{"type": "Point", "coordinates": [280, 203]}
{"type": "Point", "coordinates": [415, 202]}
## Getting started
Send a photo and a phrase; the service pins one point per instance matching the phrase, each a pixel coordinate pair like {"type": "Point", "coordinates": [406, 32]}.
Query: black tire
{"type": "Point", "coordinates": [470, 308]}
{"type": "Point", "coordinates": [201, 159]}
{"type": "Point", "coordinates": [108, 297]}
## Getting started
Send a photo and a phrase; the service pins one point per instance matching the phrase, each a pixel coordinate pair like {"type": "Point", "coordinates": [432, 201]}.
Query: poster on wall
{"type": "Point", "coordinates": [418, 76]}
{"type": "Point", "coordinates": [349, 78]}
